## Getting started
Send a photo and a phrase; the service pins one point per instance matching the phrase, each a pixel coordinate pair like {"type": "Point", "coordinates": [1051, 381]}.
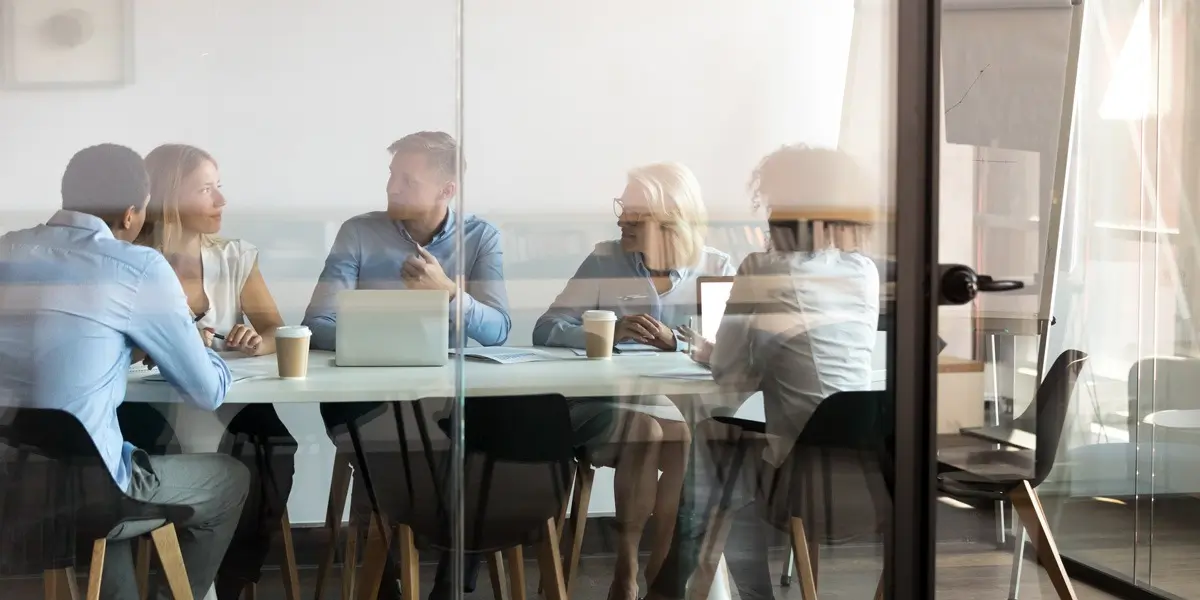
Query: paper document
{"type": "Point", "coordinates": [582, 352]}
{"type": "Point", "coordinates": [239, 372]}
{"type": "Point", "coordinates": [693, 374]}
{"type": "Point", "coordinates": [507, 356]}
{"type": "Point", "coordinates": [138, 368]}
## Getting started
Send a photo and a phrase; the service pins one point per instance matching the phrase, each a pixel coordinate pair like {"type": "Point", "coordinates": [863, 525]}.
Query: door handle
{"type": "Point", "coordinates": [959, 284]}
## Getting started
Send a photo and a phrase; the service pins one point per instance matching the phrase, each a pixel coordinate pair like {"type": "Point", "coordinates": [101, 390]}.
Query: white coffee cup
{"type": "Point", "coordinates": [599, 327]}
{"type": "Point", "coordinates": [291, 351]}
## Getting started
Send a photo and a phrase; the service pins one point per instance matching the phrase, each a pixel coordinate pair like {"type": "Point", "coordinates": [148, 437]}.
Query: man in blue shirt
{"type": "Point", "coordinates": [80, 303]}
{"type": "Point", "coordinates": [411, 246]}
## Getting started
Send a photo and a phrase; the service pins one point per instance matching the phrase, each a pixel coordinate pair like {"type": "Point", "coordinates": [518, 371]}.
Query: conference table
{"type": "Point", "coordinates": [256, 380]}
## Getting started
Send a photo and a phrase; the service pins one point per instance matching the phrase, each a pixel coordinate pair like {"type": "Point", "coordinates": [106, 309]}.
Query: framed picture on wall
{"type": "Point", "coordinates": [66, 43]}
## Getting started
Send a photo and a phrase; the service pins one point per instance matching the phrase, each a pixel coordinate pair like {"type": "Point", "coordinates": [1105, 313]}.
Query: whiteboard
{"type": "Point", "coordinates": [1005, 72]}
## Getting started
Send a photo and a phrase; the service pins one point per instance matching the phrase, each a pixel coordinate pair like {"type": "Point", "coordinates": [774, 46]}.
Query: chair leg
{"type": "Point", "coordinates": [169, 554]}
{"type": "Point", "coordinates": [804, 564]}
{"type": "Point", "coordinates": [410, 564]}
{"type": "Point", "coordinates": [145, 551]}
{"type": "Point", "coordinates": [1026, 501]}
{"type": "Point", "coordinates": [711, 550]}
{"type": "Point", "coordinates": [349, 562]}
{"type": "Point", "coordinates": [339, 489]}
{"type": "Point", "coordinates": [96, 570]}
{"type": "Point", "coordinates": [550, 564]}
{"type": "Point", "coordinates": [789, 569]}
{"type": "Point", "coordinates": [374, 558]}
{"type": "Point", "coordinates": [250, 592]}
{"type": "Point", "coordinates": [561, 521]}
{"type": "Point", "coordinates": [499, 577]}
{"type": "Point", "coordinates": [579, 512]}
{"type": "Point", "coordinates": [514, 559]}
{"type": "Point", "coordinates": [1014, 577]}
{"type": "Point", "coordinates": [60, 581]}
{"type": "Point", "coordinates": [291, 574]}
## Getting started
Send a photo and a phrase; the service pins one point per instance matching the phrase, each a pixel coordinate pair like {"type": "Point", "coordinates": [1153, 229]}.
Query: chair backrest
{"type": "Point", "coordinates": [1050, 404]}
{"type": "Point", "coordinates": [528, 429]}
{"type": "Point", "coordinates": [1162, 383]}
{"type": "Point", "coordinates": [49, 433]}
{"type": "Point", "coordinates": [52, 471]}
{"type": "Point", "coordinates": [850, 421]}
{"type": "Point", "coordinates": [516, 473]}
{"type": "Point", "coordinates": [841, 463]}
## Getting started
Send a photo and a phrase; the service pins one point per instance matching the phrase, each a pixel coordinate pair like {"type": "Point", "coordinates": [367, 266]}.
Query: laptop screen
{"type": "Point", "coordinates": [711, 295]}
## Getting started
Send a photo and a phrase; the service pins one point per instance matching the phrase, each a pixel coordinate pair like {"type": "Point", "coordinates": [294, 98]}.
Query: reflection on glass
{"type": "Point", "coordinates": [244, 335]}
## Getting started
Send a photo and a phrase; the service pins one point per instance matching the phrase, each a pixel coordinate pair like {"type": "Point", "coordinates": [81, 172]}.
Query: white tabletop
{"type": "Point", "coordinates": [1175, 419]}
{"type": "Point", "coordinates": [572, 377]}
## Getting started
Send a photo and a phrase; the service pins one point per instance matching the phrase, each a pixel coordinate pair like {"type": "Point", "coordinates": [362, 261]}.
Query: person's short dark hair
{"type": "Point", "coordinates": [105, 180]}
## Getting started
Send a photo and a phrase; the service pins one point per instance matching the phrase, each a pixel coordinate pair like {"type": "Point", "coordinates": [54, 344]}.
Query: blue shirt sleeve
{"type": "Point", "coordinates": [562, 324]}
{"type": "Point", "coordinates": [340, 273]}
{"type": "Point", "coordinates": [162, 327]}
{"type": "Point", "coordinates": [485, 301]}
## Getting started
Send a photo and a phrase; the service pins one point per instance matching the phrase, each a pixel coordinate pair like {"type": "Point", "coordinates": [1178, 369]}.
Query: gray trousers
{"type": "Point", "coordinates": [214, 486]}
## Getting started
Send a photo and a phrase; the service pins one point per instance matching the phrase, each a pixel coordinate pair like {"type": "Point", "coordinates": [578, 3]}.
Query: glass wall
{"type": "Point", "coordinates": [1125, 296]}
{"type": "Point", "coordinates": [631, 154]}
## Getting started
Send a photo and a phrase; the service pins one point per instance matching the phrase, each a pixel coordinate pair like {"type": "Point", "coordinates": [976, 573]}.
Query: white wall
{"type": "Point", "coordinates": [298, 99]}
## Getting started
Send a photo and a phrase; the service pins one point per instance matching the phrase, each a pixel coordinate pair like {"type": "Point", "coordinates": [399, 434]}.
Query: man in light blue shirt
{"type": "Point", "coordinates": [411, 246]}
{"type": "Point", "coordinates": [79, 304]}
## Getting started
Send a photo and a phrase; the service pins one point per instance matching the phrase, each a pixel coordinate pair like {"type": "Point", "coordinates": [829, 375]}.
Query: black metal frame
{"type": "Point", "coordinates": [912, 349]}
{"type": "Point", "coordinates": [1109, 582]}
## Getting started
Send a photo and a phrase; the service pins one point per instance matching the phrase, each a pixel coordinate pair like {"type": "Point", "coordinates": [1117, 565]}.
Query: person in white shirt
{"type": "Point", "coordinates": [228, 297]}
{"type": "Point", "coordinates": [810, 302]}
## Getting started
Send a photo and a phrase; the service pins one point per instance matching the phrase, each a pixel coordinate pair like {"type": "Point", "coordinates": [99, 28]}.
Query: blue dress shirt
{"type": "Point", "coordinates": [369, 252]}
{"type": "Point", "coordinates": [74, 302]}
{"type": "Point", "coordinates": [612, 279]}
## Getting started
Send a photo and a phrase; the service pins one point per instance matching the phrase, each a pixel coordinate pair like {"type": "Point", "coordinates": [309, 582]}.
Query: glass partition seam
{"type": "Point", "coordinates": [458, 411]}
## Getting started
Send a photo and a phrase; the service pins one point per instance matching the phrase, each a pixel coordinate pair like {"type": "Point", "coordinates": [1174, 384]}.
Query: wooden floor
{"type": "Point", "coordinates": [963, 573]}
{"type": "Point", "coordinates": [969, 564]}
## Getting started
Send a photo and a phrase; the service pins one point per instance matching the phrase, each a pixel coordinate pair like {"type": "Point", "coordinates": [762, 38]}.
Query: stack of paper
{"type": "Point", "coordinates": [691, 374]}
{"type": "Point", "coordinates": [507, 356]}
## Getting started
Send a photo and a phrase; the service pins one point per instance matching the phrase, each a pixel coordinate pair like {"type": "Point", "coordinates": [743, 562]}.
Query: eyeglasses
{"type": "Point", "coordinates": [630, 214]}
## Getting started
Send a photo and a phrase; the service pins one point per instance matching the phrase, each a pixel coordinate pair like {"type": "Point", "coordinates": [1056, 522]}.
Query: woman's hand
{"type": "Point", "coordinates": [701, 347]}
{"type": "Point", "coordinates": [646, 330]}
{"type": "Point", "coordinates": [243, 338]}
{"type": "Point", "coordinates": [206, 335]}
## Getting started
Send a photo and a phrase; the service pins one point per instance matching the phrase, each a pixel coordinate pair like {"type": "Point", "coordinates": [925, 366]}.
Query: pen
{"type": "Point", "coordinates": [196, 319]}
{"type": "Point", "coordinates": [634, 297]}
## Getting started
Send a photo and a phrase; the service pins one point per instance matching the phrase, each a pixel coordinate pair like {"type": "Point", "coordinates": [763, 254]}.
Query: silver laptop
{"type": "Point", "coordinates": [393, 328]}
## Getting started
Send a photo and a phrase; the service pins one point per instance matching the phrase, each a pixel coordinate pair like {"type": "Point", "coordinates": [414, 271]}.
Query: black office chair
{"type": "Point", "coordinates": [1017, 477]}
{"type": "Point", "coordinates": [260, 426]}
{"type": "Point", "coordinates": [339, 419]}
{"type": "Point", "coordinates": [519, 458]}
{"type": "Point", "coordinates": [58, 489]}
{"type": "Point", "coordinates": [851, 429]}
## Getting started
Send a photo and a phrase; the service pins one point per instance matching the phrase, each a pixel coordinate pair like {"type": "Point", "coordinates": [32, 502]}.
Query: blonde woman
{"type": "Point", "coordinates": [224, 290]}
{"type": "Point", "coordinates": [648, 277]}
{"type": "Point", "coordinates": [810, 301]}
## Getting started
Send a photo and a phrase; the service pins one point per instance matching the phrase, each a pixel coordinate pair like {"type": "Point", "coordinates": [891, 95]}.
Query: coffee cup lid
{"type": "Point", "coordinates": [600, 315]}
{"type": "Point", "coordinates": [293, 331]}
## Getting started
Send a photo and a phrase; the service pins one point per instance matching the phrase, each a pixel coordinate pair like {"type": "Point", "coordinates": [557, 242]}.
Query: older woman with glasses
{"type": "Point", "coordinates": [648, 278]}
